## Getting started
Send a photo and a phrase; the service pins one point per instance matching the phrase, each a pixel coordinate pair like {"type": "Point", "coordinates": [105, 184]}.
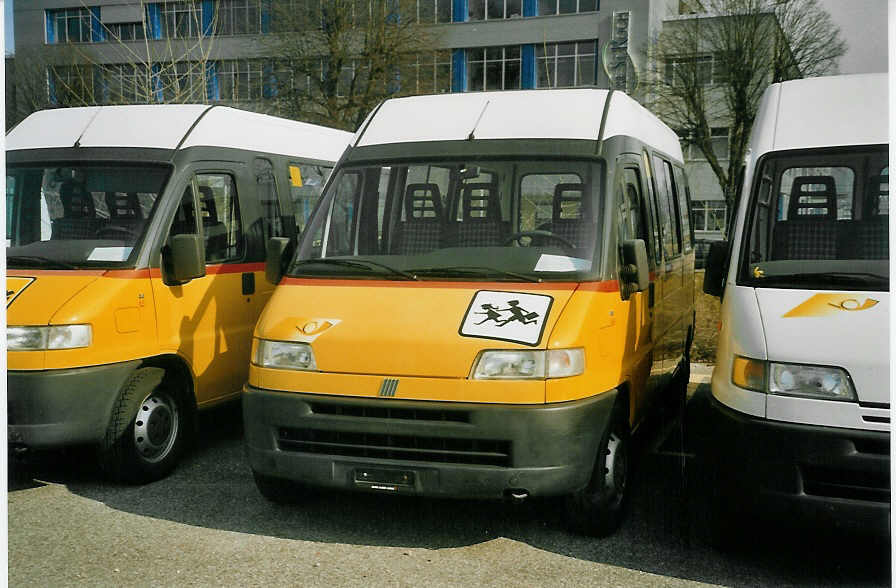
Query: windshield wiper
{"type": "Point", "coordinates": [358, 264]}
{"type": "Point", "coordinates": [834, 277]}
{"type": "Point", "coordinates": [43, 261]}
{"type": "Point", "coordinates": [466, 270]}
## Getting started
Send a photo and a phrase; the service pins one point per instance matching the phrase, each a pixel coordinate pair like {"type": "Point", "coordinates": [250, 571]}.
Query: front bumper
{"type": "Point", "coordinates": [428, 448]}
{"type": "Point", "coordinates": [836, 477]}
{"type": "Point", "coordinates": [51, 408]}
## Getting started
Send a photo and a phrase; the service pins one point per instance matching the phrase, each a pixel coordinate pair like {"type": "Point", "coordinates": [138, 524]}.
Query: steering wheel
{"type": "Point", "coordinates": [537, 233]}
{"type": "Point", "coordinates": [116, 230]}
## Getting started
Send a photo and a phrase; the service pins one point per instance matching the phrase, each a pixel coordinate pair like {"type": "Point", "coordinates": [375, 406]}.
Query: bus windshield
{"type": "Point", "coordinates": [819, 219]}
{"type": "Point", "coordinates": [513, 220]}
{"type": "Point", "coordinates": [83, 215]}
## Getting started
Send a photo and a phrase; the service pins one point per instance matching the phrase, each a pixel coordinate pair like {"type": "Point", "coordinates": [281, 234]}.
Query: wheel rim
{"type": "Point", "coordinates": [155, 427]}
{"type": "Point", "coordinates": [615, 468]}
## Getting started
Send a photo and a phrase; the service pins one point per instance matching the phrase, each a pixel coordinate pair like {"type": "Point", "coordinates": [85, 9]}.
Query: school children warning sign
{"type": "Point", "coordinates": [508, 316]}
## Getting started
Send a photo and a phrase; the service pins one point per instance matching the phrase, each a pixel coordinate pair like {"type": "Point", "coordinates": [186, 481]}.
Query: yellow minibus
{"type": "Point", "coordinates": [492, 291]}
{"type": "Point", "coordinates": [134, 249]}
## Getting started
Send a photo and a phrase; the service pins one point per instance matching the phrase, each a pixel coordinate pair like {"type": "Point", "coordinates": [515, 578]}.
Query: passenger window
{"type": "Point", "coordinates": [220, 214]}
{"type": "Point", "coordinates": [306, 181]}
{"type": "Point", "coordinates": [266, 190]}
{"type": "Point", "coordinates": [631, 216]}
{"type": "Point", "coordinates": [185, 218]}
{"type": "Point", "coordinates": [537, 193]}
{"type": "Point", "coordinates": [10, 200]}
{"type": "Point", "coordinates": [682, 204]}
{"type": "Point", "coordinates": [665, 216]}
{"type": "Point", "coordinates": [341, 217]}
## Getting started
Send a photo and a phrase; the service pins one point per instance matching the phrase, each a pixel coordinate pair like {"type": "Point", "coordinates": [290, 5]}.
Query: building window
{"type": "Point", "coordinates": [493, 68]}
{"type": "Point", "coordinates": [709, 215]}
{"type": "Point", "coordinates": [430, 74]}
{"type": "Point", "coordinates": [718, 137]}
{"type": "Point", "coordinates": [239, 17]}
{"type": "Point", "coordinates": [125, 31]}
{"type": "Point", "coordinates": [549, 7]}
{"type": "Point", "coordinates": [181, 20]}
{"type": "Point", "coordinates": [127, 83]}
{"type": "Point", "coordinates": [434, 11]}
{"type": "Point", "coordinates": [564, 65]}
{"type": "Point", "coordinates": [240, 80]}
{"type": "Point", "coordinates": [68, 25]}
{"type": "Point", "coordinates": [701, 70]}
{"type": "Point", "coordinates": [74, 85]}
{"type": "Point", "coordinates": [183, 81]}
{"type": "Point", "coordinates": [494, 9]}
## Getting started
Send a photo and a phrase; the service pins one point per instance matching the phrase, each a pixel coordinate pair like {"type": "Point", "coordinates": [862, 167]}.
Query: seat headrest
{"type": "Point", "coordinates": [207, 207]}
{"type": "Point", "coordinates": [878, 190]}
{"type": "Point", "coordinates": [123, 205]}
{"type": "Point", "coordinates": [76, 203]}
{"type": "Point", "coordinates": [570, 202]}
{"type": "Point", "coordinates": [480, 201]}
{"type": "Point", "coordinates": [423, 202]}
{"type": "Point", "coordinates": [810, 195]}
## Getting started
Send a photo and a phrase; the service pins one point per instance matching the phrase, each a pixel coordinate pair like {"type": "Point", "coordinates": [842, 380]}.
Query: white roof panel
{"type": "Point", "coordinates": [831, 111]}
{"type": "Point", "coordinates": [165, 126]}
{"type": "Point", "coordinates": [524, 114]}
{"type": "Point", "coordinates": [229, 127]}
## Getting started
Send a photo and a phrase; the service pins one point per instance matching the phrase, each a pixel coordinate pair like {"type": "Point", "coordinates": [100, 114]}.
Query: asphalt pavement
{"type": "Point", "coordinates": [207, 525]}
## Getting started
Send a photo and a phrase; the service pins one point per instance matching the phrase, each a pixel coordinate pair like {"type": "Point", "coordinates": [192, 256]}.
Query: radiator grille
{"type": "Point", "coordinates": [401, 447]}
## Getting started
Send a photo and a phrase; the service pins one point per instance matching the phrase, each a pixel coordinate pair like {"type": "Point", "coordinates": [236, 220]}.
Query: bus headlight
{"type": "Point", "coordinates": [791, 379]}
{"type": "Point", "coordinates": [284, 355]}
{"type": "Point", "coordinates": [810, 381]}
{"type": "Point", "coordinates": [52, 337]}
{"type": "Point", "coordinates": [529, 365]}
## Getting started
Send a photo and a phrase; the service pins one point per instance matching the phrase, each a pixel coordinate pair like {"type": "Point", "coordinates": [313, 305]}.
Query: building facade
{"type": "Point", "coordinates": [217, 51]}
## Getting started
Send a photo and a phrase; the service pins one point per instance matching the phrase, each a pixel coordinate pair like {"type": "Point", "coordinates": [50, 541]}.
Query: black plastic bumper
{"type": "Point", "coordinates": [832, 476]}
{"type": "Point", "coordinates": [427, 448]}
{"type": "Point", "coordinates": [51, 408]}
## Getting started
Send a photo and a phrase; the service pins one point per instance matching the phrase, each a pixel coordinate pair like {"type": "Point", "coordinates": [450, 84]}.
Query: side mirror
{"type": "Point", "coordinates": [634, 276]}
{"type": "Point", "coordinates": [275, 254]}
{"type": "Point", "coordinates": [183, 259]}
{"type": "Point", "coordinates": [716, 268]}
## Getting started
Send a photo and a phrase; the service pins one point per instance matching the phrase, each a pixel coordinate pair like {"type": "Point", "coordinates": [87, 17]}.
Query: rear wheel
{"type": "Point", "coordinates": [597, 509]}
{"type": "Point", "coordinates": [147, 432]}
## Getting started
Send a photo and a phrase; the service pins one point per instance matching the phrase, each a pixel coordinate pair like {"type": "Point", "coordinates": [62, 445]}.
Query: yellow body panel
{"type": "Point", "coordinates": [363, 331]}
{"type": "Point", "coordinates": [133, 315]}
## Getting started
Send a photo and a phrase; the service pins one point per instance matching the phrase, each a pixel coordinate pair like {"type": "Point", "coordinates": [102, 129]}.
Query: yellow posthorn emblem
{"type": "Point", "coordinates": [758, 273]}
{"type": "Point", "coordinates": [14, 287]}
{"type": "Point", "coordinates": [828, 304]}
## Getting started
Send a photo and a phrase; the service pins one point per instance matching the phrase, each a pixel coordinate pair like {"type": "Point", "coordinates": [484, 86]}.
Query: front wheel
{"type": "Point", "coordinates": [597, 509]}
{"type": "Point", "coordinates": [147, 432]}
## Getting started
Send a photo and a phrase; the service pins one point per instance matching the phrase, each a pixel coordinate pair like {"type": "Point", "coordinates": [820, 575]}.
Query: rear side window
{"type": "Point", "coordinates": [665, 212]}
{"type": "Point", "coordinates": [306, 182]}
{"type": "Point", "coordinates": [682, 204]}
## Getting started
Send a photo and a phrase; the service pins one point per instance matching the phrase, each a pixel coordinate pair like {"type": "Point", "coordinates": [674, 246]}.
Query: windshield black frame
{"type": "Point", "coordinates": [811, 273]}
{"type": "Point", "coordinates": [474, 268]}
{"type": "Point", "coordinates": [43, 257]}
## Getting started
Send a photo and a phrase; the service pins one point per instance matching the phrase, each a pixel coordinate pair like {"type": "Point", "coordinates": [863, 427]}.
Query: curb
{"type": "Point", "coordinates": [701, 373]}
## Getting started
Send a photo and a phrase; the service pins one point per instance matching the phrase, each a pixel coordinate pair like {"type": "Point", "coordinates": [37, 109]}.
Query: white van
{"type": "Point", "coordinates": [800, 392]}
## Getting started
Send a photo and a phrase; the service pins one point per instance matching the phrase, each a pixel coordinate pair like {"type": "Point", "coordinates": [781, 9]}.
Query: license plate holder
{"type": "Point", "coordinates": [385, 479]}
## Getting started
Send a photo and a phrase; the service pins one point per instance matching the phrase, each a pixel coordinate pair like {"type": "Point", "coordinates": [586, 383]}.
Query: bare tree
{"type": "Point", "coordinates": [138, 66]}
{"type": "Point", "coordinates": [710, 69]}
{"type": "Point", "coordinates": [340, 58]}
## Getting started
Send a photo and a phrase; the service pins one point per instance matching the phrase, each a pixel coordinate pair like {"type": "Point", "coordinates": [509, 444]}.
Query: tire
{"type": "Point", "coordinates": [279, 490]}
{"type": "Point", "coordinates": [147, 432]}
{"type": "Point", "coordinates": [597, 509]}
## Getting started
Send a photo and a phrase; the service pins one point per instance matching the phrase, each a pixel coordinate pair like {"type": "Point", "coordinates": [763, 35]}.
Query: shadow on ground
{"type": "Point", "coordinates": [213, 488]}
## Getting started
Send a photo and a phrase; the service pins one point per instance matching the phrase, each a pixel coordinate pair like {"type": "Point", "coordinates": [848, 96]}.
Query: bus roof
{"type": "Point", "coordinates": [522, 114]}
{"type": "Point", "coordinates": [163, 126]}
{"type": "Point", "coordinates": [822, 112]}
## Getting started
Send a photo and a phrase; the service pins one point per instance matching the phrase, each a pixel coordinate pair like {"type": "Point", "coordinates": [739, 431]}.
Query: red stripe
{"type": "Point", "coordinates": [605, 286]}
{"type": "Point", "coordinates": [133, 274]}
{"type": "Point", "coordinates": [47, 272]}
{"type": "Point", "coordinates": [234, 268]}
